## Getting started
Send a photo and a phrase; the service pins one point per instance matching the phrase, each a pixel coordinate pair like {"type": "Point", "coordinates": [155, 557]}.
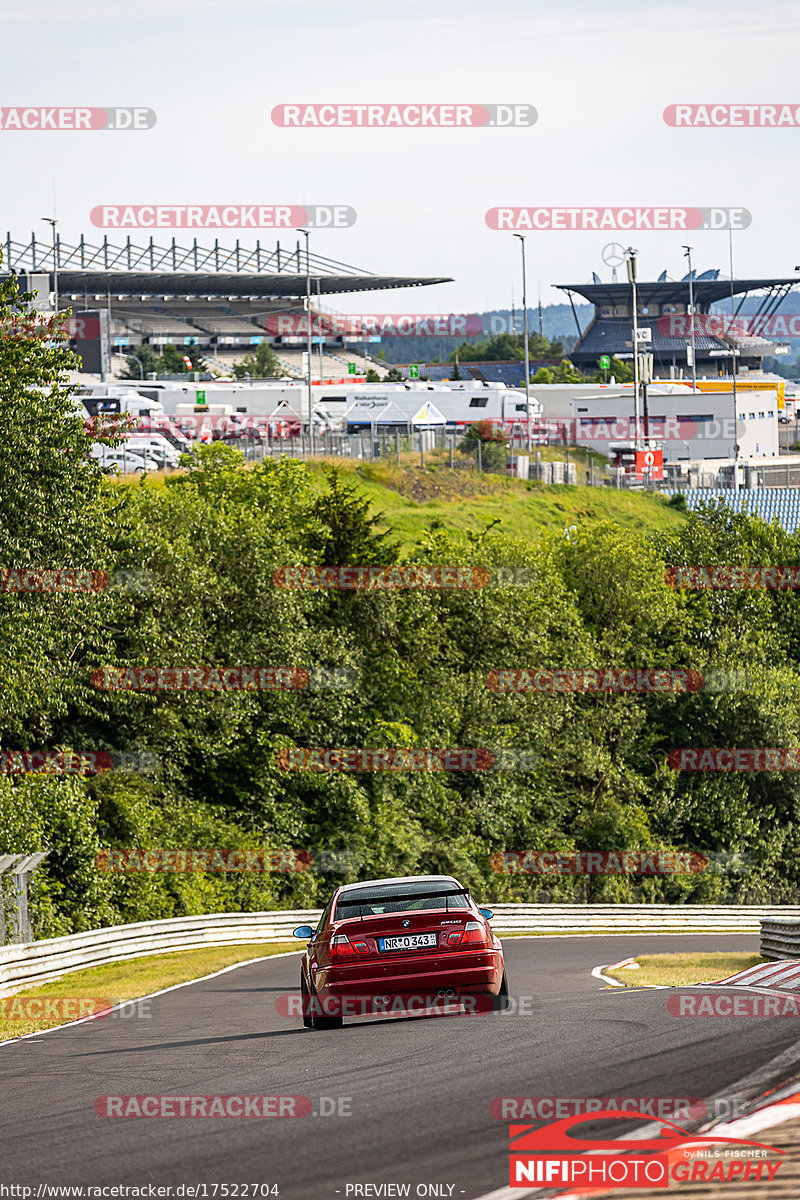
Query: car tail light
{"type": "Point", "coordinates": [342, 947]}
{"type": "Point", "coordinates": [474, 934]}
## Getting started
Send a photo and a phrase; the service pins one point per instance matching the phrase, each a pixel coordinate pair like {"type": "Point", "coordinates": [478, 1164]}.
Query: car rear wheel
{"type": "Point", "coordinates": [501, 999]}
{"type": "Point", "coordinates": [320, 1022]}
{"type": "Point", "coordinates": [307, 1020]}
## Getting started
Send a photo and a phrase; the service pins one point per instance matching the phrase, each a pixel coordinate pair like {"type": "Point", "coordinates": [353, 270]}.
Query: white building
{"type": "Point", "coordinates": [689, 425]}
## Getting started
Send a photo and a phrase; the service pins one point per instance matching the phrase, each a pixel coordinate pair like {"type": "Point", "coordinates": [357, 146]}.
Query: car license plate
{"type": "Point", "coordinates": [408, 941]}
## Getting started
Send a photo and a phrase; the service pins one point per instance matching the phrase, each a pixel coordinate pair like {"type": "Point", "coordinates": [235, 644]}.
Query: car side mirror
{"type": "Point", "coordinates": [303, 931]}
{"type": "Point", "coordinates": [486, 912]}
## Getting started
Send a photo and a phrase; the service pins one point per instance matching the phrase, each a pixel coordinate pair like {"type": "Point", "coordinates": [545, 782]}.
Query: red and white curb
{"type": "Point", "coordinates": [623, 964]}
{"type": "Point", "coordinates": [784, 974]}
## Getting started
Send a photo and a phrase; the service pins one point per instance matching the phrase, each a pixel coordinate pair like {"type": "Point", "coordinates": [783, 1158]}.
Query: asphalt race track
{"type": "Point", "coordinates": [418, 1089]}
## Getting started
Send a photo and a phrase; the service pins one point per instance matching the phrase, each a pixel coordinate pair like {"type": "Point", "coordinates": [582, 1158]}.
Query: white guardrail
{"type": "Point", "coordinates": [780, 936]}
{"type": "Point", "coordinates": [37, 962]}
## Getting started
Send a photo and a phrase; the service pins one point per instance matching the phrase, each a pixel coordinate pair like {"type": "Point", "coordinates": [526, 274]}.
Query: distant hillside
{"type": "Point", "coordinates": [557, 323]}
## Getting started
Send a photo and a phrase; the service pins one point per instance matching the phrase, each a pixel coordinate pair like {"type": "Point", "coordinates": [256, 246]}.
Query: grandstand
{"type": "Point", "coordinates": [214, 298]}
{"type": "Point", "coordinates": [610, 330]}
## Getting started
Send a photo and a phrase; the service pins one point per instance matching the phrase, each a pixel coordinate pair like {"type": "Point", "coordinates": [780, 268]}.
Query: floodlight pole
{"type": "Point", "coordinates": [306, 235]}
{"type": "Point", "coordinates": [321, 351]}
{"type": "Point", "coordinates": [688, 255]}
{"type": "Point", "coordinates": [733, 374]}
{"type": "Point", "coordinates": [521, 237]}
{"type": "Point", "coordinates": [632, 272]}
{"type": "Point", "coordinates": [52, 221]}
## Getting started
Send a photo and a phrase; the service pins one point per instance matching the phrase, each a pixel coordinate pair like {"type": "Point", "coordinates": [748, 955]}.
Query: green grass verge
{"type": "Point", "coordinates": [116, 982]}
{"type": "Point", "coordinates": [412, 499]}
{"type": "Point", "coordinates": [678, 970]}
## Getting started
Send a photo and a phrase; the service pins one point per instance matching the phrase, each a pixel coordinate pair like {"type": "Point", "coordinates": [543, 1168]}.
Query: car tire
{"type": "Point", "coordinates": [319, 1022]}
{"type": "Point", "coordinates": [308, 1022]}
{"type": "Point", "coordinates": [501, 1001]}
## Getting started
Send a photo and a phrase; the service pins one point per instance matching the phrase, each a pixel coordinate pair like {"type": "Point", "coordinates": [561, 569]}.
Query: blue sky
{"type": "Point", "coordinates": [599, 76]}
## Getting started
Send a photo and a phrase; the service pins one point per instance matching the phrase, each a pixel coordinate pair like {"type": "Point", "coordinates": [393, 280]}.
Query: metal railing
{"type": "Point", "coordinates": [37, 962]}
{"type": "Point", "coordinates": [20, 867]}
{"type": "Point", "coordinates": [35, 256]}
{"type": "Point", "coordinates": [780, 938]}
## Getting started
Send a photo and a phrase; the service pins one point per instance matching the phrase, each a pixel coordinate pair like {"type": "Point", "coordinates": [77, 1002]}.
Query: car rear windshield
{"type": "Point", "coordinates": [398, 897]}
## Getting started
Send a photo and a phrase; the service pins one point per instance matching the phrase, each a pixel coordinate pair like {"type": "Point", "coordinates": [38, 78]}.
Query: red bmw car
{"type": "Point", "coordinates": [414, 945]}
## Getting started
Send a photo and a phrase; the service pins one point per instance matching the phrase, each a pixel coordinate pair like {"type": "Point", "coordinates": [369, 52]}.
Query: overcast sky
{"type": "Point", "coordinates": [599, 75]}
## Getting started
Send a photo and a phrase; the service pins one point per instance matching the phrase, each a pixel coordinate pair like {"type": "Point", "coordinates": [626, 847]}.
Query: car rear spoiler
{"type": "Point", "coordinates": [446, 892]}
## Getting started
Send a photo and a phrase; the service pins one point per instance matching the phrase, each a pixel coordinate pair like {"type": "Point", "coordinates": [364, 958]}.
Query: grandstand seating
{"type": "Point", "coordinates": [613, 336]}
{"type": "Point", "coordinates": [153, 324]}
{"type": "Point", "coordinates": [772, 504]}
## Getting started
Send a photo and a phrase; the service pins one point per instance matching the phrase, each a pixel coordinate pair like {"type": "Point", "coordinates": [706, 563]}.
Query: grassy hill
{"type": "Point", "coordinates": [413, 499]}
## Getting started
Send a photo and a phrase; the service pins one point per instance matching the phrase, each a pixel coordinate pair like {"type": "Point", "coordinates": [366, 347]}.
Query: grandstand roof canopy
{"type": "Point", "coordinates": [706, 291]}
{"type": "Point", "coordinates": [210, 271]}
{"type": "Point", "coordinates": [122, 283]}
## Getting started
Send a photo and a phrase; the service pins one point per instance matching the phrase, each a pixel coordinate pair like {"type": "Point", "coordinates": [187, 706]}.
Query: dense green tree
{"type": "Point", "coordinates": [170, 361]}
{"type": "Point", "coordinates": [508, 347]}
{"type": "Point", "coordinates": [209, 558]}
{"type": "Point", "coordinates": [144, 355]}
{"type": "Point", "coordinates": [621, 370]}
{"type": "Point", "coordinates": [263, 364]}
